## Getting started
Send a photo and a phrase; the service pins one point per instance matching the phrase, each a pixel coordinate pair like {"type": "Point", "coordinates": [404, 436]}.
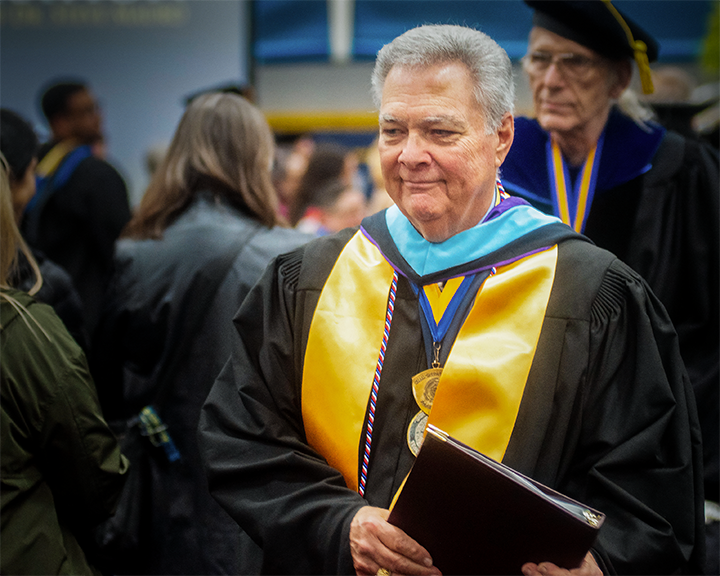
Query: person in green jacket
{"type": "Point", "coordinates": [61, 467]}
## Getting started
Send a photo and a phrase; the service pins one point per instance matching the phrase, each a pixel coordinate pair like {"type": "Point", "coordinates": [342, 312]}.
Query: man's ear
{"type": "Point", "coordinates": [506, 134]}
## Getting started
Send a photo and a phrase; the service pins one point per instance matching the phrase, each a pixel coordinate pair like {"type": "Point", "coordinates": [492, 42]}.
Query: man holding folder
{"type": "Point", "coordinates": [460, 307]}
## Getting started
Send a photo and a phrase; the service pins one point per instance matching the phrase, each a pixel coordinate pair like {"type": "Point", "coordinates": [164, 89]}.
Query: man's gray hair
{"type": "Point", "coordinates": [428, 45]}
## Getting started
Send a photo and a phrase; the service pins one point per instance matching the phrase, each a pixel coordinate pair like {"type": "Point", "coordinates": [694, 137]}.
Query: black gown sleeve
{"type": "Point", "coordinates": [259, 466]}
{"type": "Point", "coordinates": [638, 456]}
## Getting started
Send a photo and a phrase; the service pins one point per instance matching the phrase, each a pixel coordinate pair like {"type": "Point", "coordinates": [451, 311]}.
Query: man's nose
{"type": "Point", "coordinates": [414, 151]}
{"type": "Point", "coordinates": [553, 76]}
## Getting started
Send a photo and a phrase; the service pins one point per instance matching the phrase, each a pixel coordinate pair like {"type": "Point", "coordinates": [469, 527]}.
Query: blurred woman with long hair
{"type": "Point", "coordinates": [62, 471]}
{"type": "Point", "coordinates": [210, 211]}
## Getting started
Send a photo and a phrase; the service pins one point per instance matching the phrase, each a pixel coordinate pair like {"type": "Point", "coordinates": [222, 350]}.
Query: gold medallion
{"type": "Point", "coordinates": [424, 386]}
{"type": "Point", "coordinates": [416, 432]}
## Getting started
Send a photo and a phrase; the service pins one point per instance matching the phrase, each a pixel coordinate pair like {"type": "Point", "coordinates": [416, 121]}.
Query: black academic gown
{"type": "Point", "coordinates": [607, 415]}
{"type": "Point", "coordinates": [656, 208]}
{"type": "Point", "coordinates": [77, 225]}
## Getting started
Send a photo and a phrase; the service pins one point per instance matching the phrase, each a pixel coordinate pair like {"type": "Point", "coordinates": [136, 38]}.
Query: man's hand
{"type": "Point", "coordinates": [588, 568]}
{"type": "Point", "coordinates": [376, 544]}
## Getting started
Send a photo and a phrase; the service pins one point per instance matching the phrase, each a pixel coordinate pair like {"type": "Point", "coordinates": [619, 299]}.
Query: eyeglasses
{"type": "Point", "coordinates": [575, 66]}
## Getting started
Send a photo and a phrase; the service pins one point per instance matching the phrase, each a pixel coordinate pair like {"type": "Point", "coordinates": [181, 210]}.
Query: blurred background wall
{"type": "Point", "coordinates": [308, 61]}
{"type": "Point", "coordinates": [142, 59]}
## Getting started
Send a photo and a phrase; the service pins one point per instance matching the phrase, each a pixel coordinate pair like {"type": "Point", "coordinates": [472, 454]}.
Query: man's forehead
{"type": "Point", "coordinates": [540, 38]}
{"type": "Point", "coordinates": [440, 75]}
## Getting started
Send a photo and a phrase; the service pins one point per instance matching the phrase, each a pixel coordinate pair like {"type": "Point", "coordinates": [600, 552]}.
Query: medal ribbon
{"type": "Point", "coordinates": [573, 205]}
{"type": "Point", "coordinates": [441, 310]}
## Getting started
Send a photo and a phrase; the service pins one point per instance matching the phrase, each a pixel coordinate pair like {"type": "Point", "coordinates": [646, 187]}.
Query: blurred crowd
{"type": "Point", "coordinates": [121, 282]}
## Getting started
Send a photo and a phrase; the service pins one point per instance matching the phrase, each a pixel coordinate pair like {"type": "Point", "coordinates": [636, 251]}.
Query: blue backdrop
{"type": "Point", "coordinates": [296, 30]}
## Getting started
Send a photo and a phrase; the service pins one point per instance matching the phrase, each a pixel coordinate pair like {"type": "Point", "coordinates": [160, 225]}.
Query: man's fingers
{"type": "Point", "coordinates": [403, 549]}
{"type": "Point", "coordinates": [375, 544]}
{"type": "Point", "coordinates": [400, 553]}
{"type": "Point", "coordinates": [398, 564]}
{"type": "Point", "coordinates": [395, 551]}
{"type": "Point", "coordinates": [589, 567]}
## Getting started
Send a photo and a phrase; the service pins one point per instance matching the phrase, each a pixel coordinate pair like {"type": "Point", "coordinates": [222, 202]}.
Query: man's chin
{"type": "Point", "coordinates": [433, 231]}
{"type": "Point", "coordinates": [554, 122]}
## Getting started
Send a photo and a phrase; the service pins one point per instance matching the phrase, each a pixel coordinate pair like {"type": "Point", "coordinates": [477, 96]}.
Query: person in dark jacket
{"type": "Point", "coordinates": [211, 199]}
{"type": "Point", "coordinates": [81, 204]}
{"type": "Point", "coordinates": [19, 145]}
{"type": "Point", "coordinates": [61, 467]}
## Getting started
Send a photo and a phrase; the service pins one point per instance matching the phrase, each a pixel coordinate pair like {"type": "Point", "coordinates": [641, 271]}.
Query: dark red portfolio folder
{"type": "Point", "coordinates": [477, 516]}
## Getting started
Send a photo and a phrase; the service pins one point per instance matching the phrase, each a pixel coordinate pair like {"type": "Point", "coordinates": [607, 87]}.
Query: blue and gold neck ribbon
{"type": "Point", "coordinates": [440, 306]}
{"type": "Point", "coordinates": [572, 203]}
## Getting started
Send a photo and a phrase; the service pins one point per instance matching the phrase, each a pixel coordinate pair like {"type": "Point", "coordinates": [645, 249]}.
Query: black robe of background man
{"type": "Point", "coordinates": [661, 216]}
{"type": "Point", "coordinates": [77, 227]}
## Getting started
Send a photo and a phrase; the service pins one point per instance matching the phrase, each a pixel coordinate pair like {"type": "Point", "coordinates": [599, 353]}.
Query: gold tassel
{"type": "Point", "coordinates": [643, 66]}
{"type": "Point", "coordinates": [639, 49]}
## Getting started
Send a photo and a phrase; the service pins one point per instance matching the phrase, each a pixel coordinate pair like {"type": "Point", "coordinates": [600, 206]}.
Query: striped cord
{"type": "Point", "coordinates": [503, 195]}
{"type": "Point", "coordinates": [376, 385]}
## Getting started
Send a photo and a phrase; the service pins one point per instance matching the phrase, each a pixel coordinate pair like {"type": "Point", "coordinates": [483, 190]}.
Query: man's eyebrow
{"type": "Point", "coordinates": [450, 120]}
{"type": "Point", "coordinates": [387, 118]}
{"type": "Point", "coordinates": [430, 120]}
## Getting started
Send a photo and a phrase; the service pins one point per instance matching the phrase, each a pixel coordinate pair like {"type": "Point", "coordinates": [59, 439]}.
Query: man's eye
{"type": "Point", "coordinates": [577, 61]}
{"type": "Point", "coordinates": [443, 133]}
{"type": "Point", "coordinates": [390, 132]}
{"type": "Point", "coordinates": [579, 64]}
{"type": "Point", "coordinates": [541, 58]}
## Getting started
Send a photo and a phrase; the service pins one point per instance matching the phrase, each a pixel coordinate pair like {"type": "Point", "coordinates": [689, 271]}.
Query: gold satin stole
{"type": "Point", "coordinates": [483, 380]}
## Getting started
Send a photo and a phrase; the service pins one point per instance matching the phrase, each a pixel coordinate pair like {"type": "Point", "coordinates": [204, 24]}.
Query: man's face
{"type": "Point", "coordinates": [571, 99]}
{"type": "Point", "coordinates": [83, 117]}
{"type": "Point", "coordinates": [438, 164]}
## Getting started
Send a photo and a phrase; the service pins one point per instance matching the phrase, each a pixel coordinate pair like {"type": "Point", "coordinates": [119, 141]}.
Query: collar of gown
{"type": "Point", "coordinates": [628, 152]}
{"type": "Point", "coordinates": [510, 220]}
